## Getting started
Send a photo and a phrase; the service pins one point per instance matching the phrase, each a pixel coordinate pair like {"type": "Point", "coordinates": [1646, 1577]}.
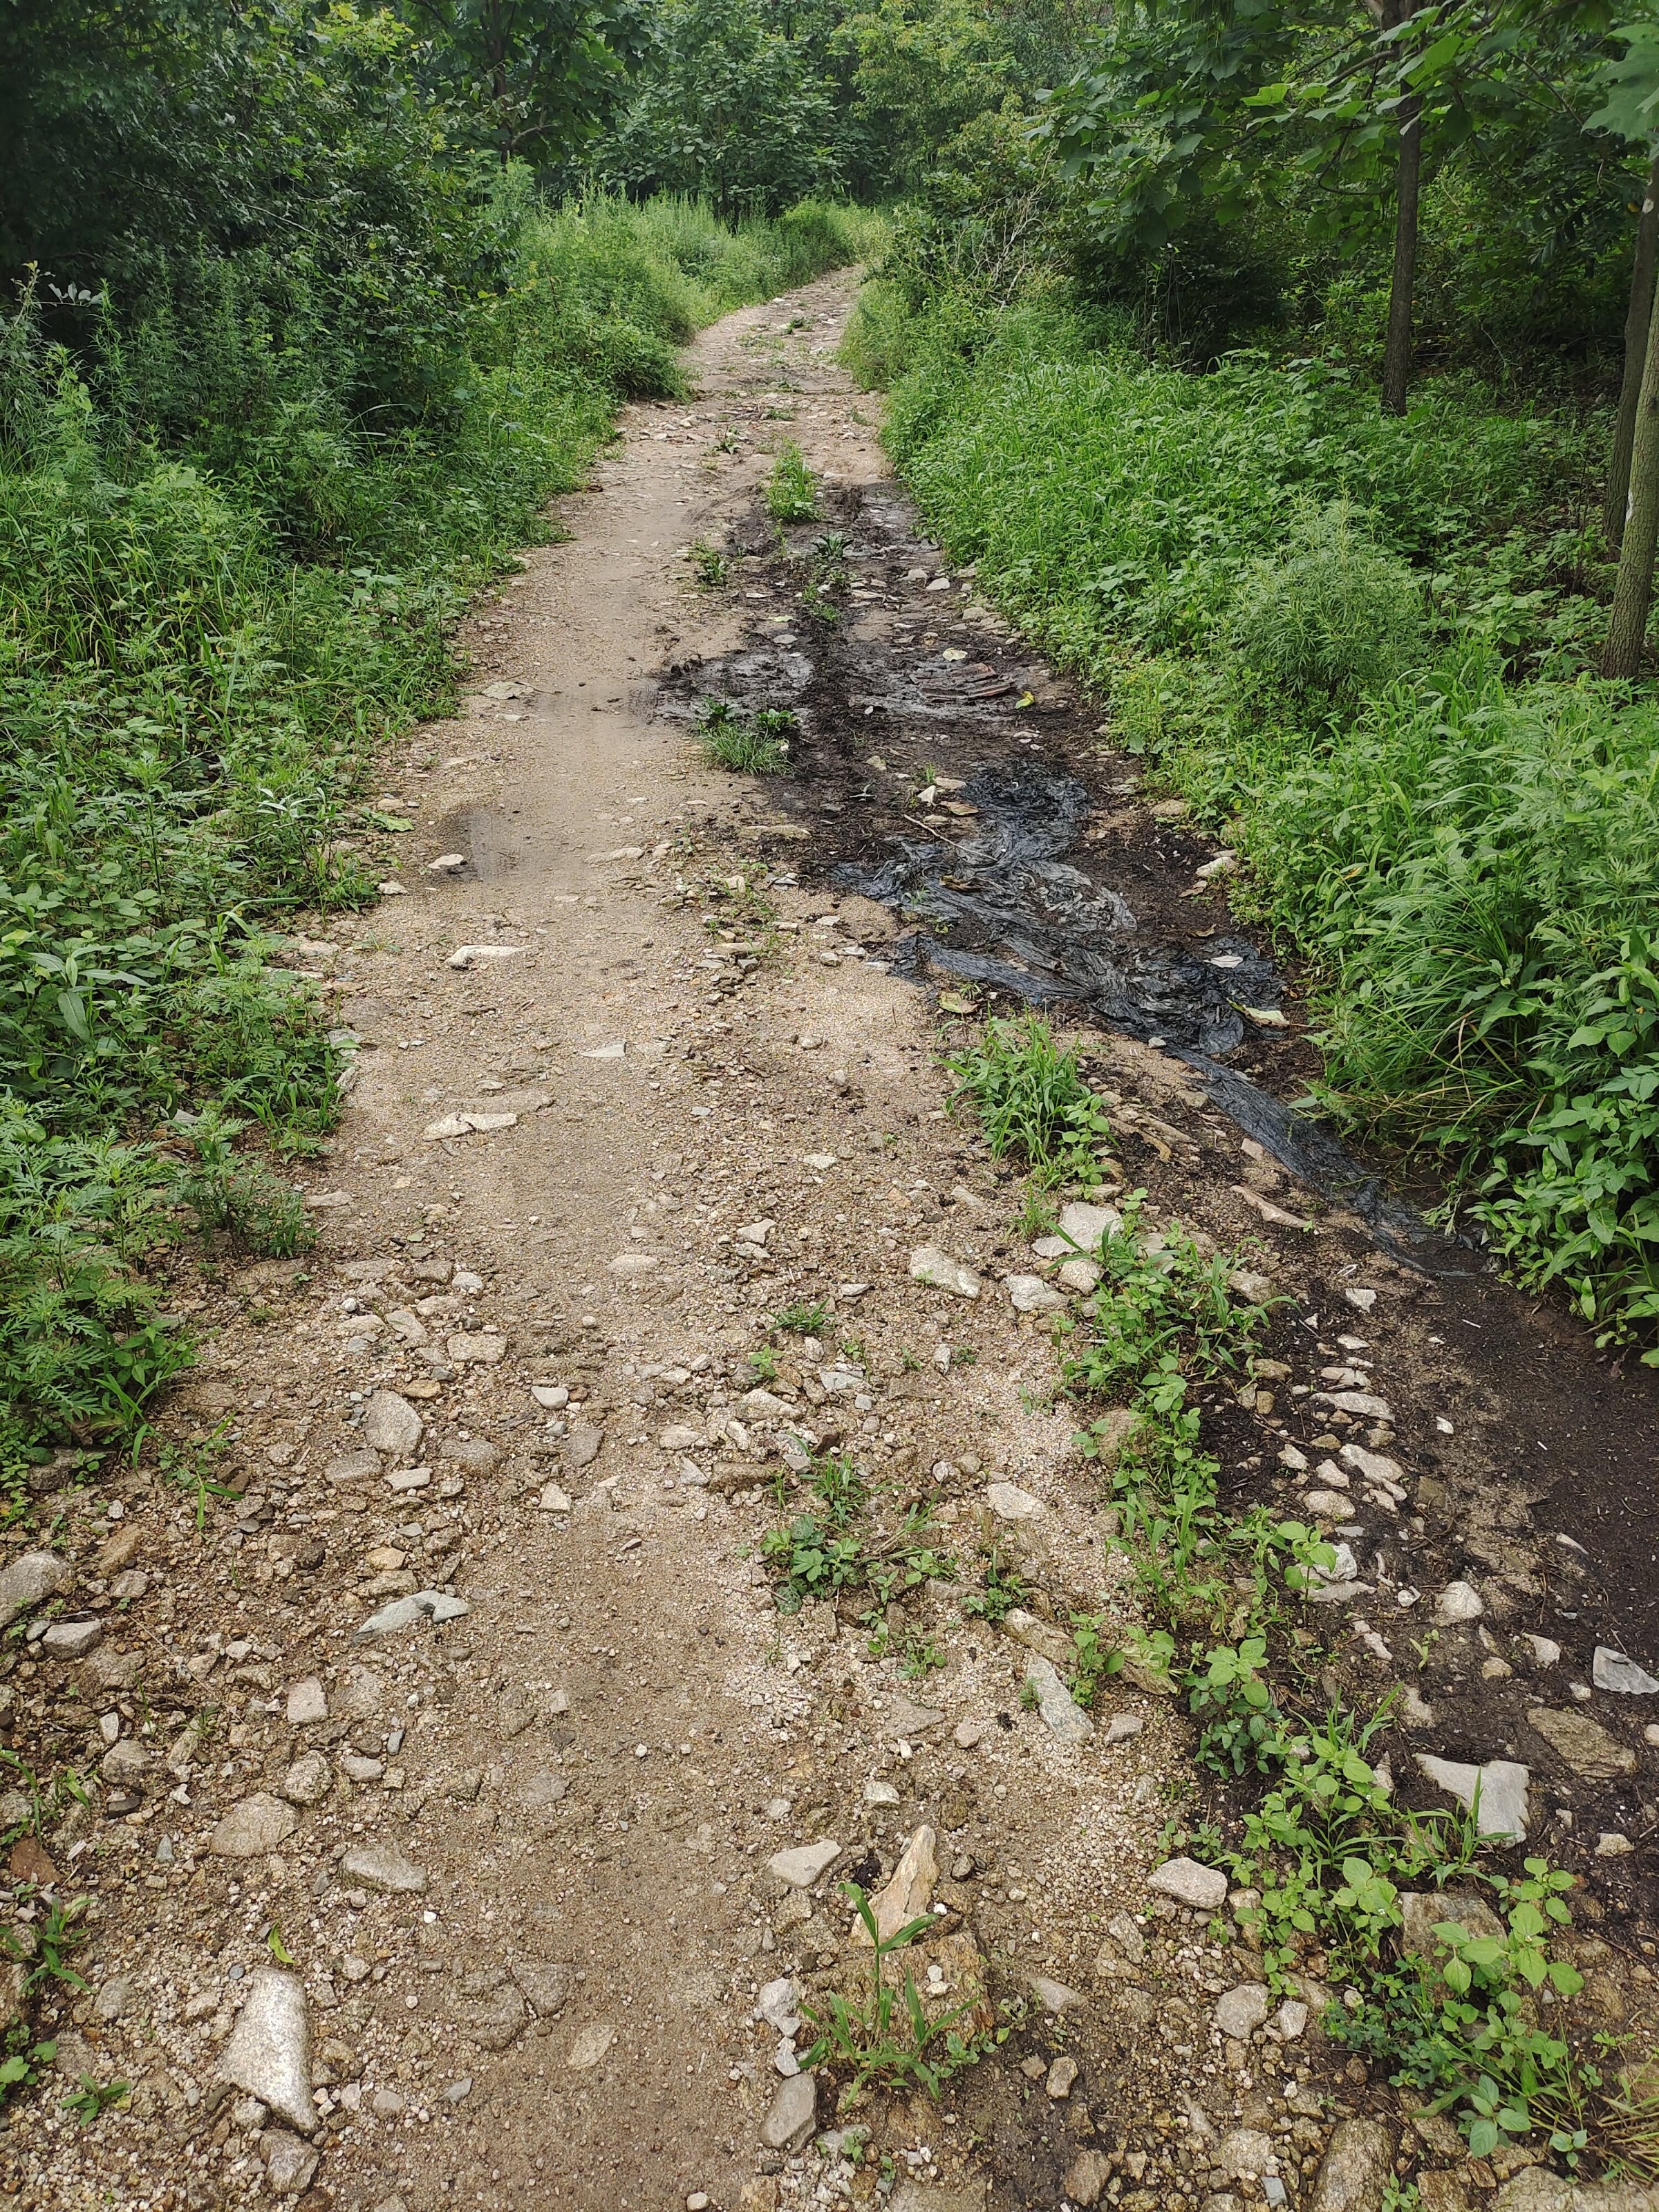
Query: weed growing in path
{"type": "Point", "coordinates": [888, 2038]}
{"type": "Point", "coordinates": [1030, 1097]}
{"type": "Point", "coordinates": [749, 744]}
{"type": "Point", "coordinates": [709, 565]}
{"type": "Point", "coordinates": [801, 1319]}
{"type": "Point", "coordinates": [791, 494]}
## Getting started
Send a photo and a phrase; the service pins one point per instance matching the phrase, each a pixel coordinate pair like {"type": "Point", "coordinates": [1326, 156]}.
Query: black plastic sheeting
{"type": "Point", "coordinates": [1058, 937]}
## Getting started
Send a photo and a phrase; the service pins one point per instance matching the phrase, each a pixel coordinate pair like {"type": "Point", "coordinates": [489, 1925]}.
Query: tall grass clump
{"type": "Point", "coordinates": [1331, 617]}
{"type": "Point", "coordinates": [1327, 626]}
{"type": "Point", "coordinates": [232, 540]}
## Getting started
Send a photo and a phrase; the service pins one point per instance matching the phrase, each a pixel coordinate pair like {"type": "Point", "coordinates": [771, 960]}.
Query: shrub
{"type": "Point", "coordinates": [1334, 618]}
{"type": "Point", "coordinates": [83, 1345]}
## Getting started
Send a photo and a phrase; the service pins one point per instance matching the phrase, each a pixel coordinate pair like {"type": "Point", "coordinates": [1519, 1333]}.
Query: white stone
{"type": "Point", "coordinates": [32, 1577]}
{"type": "Point", "coordinates": [1613, 1671]}
{"type": "Point", "coordinates": [1204, 1889]}
{"type": "Point", "coordinates": [306, 1781]}
{"type": "Point", "coordinates": [1010, 1503]}
{"type": "Point", "coordinates": [1064, 1718]}
{"type": "Point", "coordinates": [1031, 1294]}
{"type": "Point", "coordinates": [269, 2053]}
{"type": "Point", "coordinates": [468, 1125]}
{"type": "Point", "coordinates": [928, 1264]}
{"type": "Point", "coordinates": [1088, 1226]}
{"type": "Point", "coordinates": [1501, 1785]}
{"type": "Point", "coordinates": [1457, 1602]}
{"type": "Point", "coordinates": [779, 2005]}
{"type": "Point", "coordinates": [793, 2113]}
{"type": "Point", "coordinates": [1053, 1997]}
{"type": "Point", "coordinates": [392, 1424]}
{"type": "Point", "coordinates": [805, 1864]}
{"type": "Point", "coordinates": [404, 1612]}
{"type": "Point", "coordinates": [468, 956]}
{"type": "Point", "coordinates": [260, 1824]}
{"type": "Point", "coordinates": [308, 1702]}
{"type": "Point", "coordinates": [1361, 1402]}
{"type": "Point", "coordinates": [383, 1867]}
{"type": "Point", "coordinates": [72, 1638]}
{"type": "Point", "coordinates": [908, 1893]}
{"type": "Point", "coordinates": [1338, 1581]}
{"type": "Point", "coordinates": [1373, 1466]}
{"type": "Point", "coordinates": [553, 1499]}
{"type": "Point", "coordinates": [1242, 2010]}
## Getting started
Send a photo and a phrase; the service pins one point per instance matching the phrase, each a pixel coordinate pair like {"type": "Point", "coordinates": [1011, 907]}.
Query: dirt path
{"type": "Point", "coordinates": [477, 1710]}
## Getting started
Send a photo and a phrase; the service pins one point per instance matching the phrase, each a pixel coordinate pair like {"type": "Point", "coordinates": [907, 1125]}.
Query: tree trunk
{"type": "Point", "coordinates": [1397, 347]}
{"type": "Point", "coordinates": [1633, 594]}
{"type": "Point", "coordinates": [1636, 354]}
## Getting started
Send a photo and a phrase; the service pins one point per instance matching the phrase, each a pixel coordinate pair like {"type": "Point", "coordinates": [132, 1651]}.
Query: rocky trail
{"type": "Point", "coordinates": [460, 1822]}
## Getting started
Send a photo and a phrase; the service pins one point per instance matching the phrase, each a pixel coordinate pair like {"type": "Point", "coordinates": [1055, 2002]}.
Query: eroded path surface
{"type": "Point", "coordinates": [477, 1709]}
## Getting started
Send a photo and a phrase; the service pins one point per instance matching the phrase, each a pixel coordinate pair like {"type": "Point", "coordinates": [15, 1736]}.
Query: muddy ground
{"type": "Point", "coordinates": [648, 1055]}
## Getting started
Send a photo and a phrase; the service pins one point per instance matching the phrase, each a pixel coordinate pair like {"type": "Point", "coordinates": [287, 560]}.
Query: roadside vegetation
{"type": "Point", "coordinates": [1348, 560]}
{"type": "Point", "coordinates": [261, 440]}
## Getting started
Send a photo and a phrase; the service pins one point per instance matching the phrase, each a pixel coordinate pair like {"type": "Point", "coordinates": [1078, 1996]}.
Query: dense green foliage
{"type": "Point", "coordinates": [756, 103]}
{"type": "Point", "coordinates": [243, 494]}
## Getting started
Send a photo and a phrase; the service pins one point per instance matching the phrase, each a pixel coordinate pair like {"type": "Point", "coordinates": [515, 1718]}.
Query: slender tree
{"type": "Point", "coordinates": [1633, 594]}
{"type": "Point", "coordinates": [1408, 177]}
{"type": "Point", "coordinates": [1631, 111]}
{"type": "Point", "coordinates": [1646, 257]}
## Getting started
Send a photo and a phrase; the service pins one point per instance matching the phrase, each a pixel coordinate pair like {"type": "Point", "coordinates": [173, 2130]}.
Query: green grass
{"type": "Point", "coordinates": [1360, 646]}
{"type": "Point", "coordinates": [753, 743]}
{"type": "Point", "coordinates": [222, 590]}
{"type": "Point", "coordinates": [1030, 1097]}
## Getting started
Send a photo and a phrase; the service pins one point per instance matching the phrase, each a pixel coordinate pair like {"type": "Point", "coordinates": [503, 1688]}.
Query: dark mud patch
{"type": "Point", "coordinates": [942, 771]}
{"type": "Point", "coordinates": [947, 776]}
